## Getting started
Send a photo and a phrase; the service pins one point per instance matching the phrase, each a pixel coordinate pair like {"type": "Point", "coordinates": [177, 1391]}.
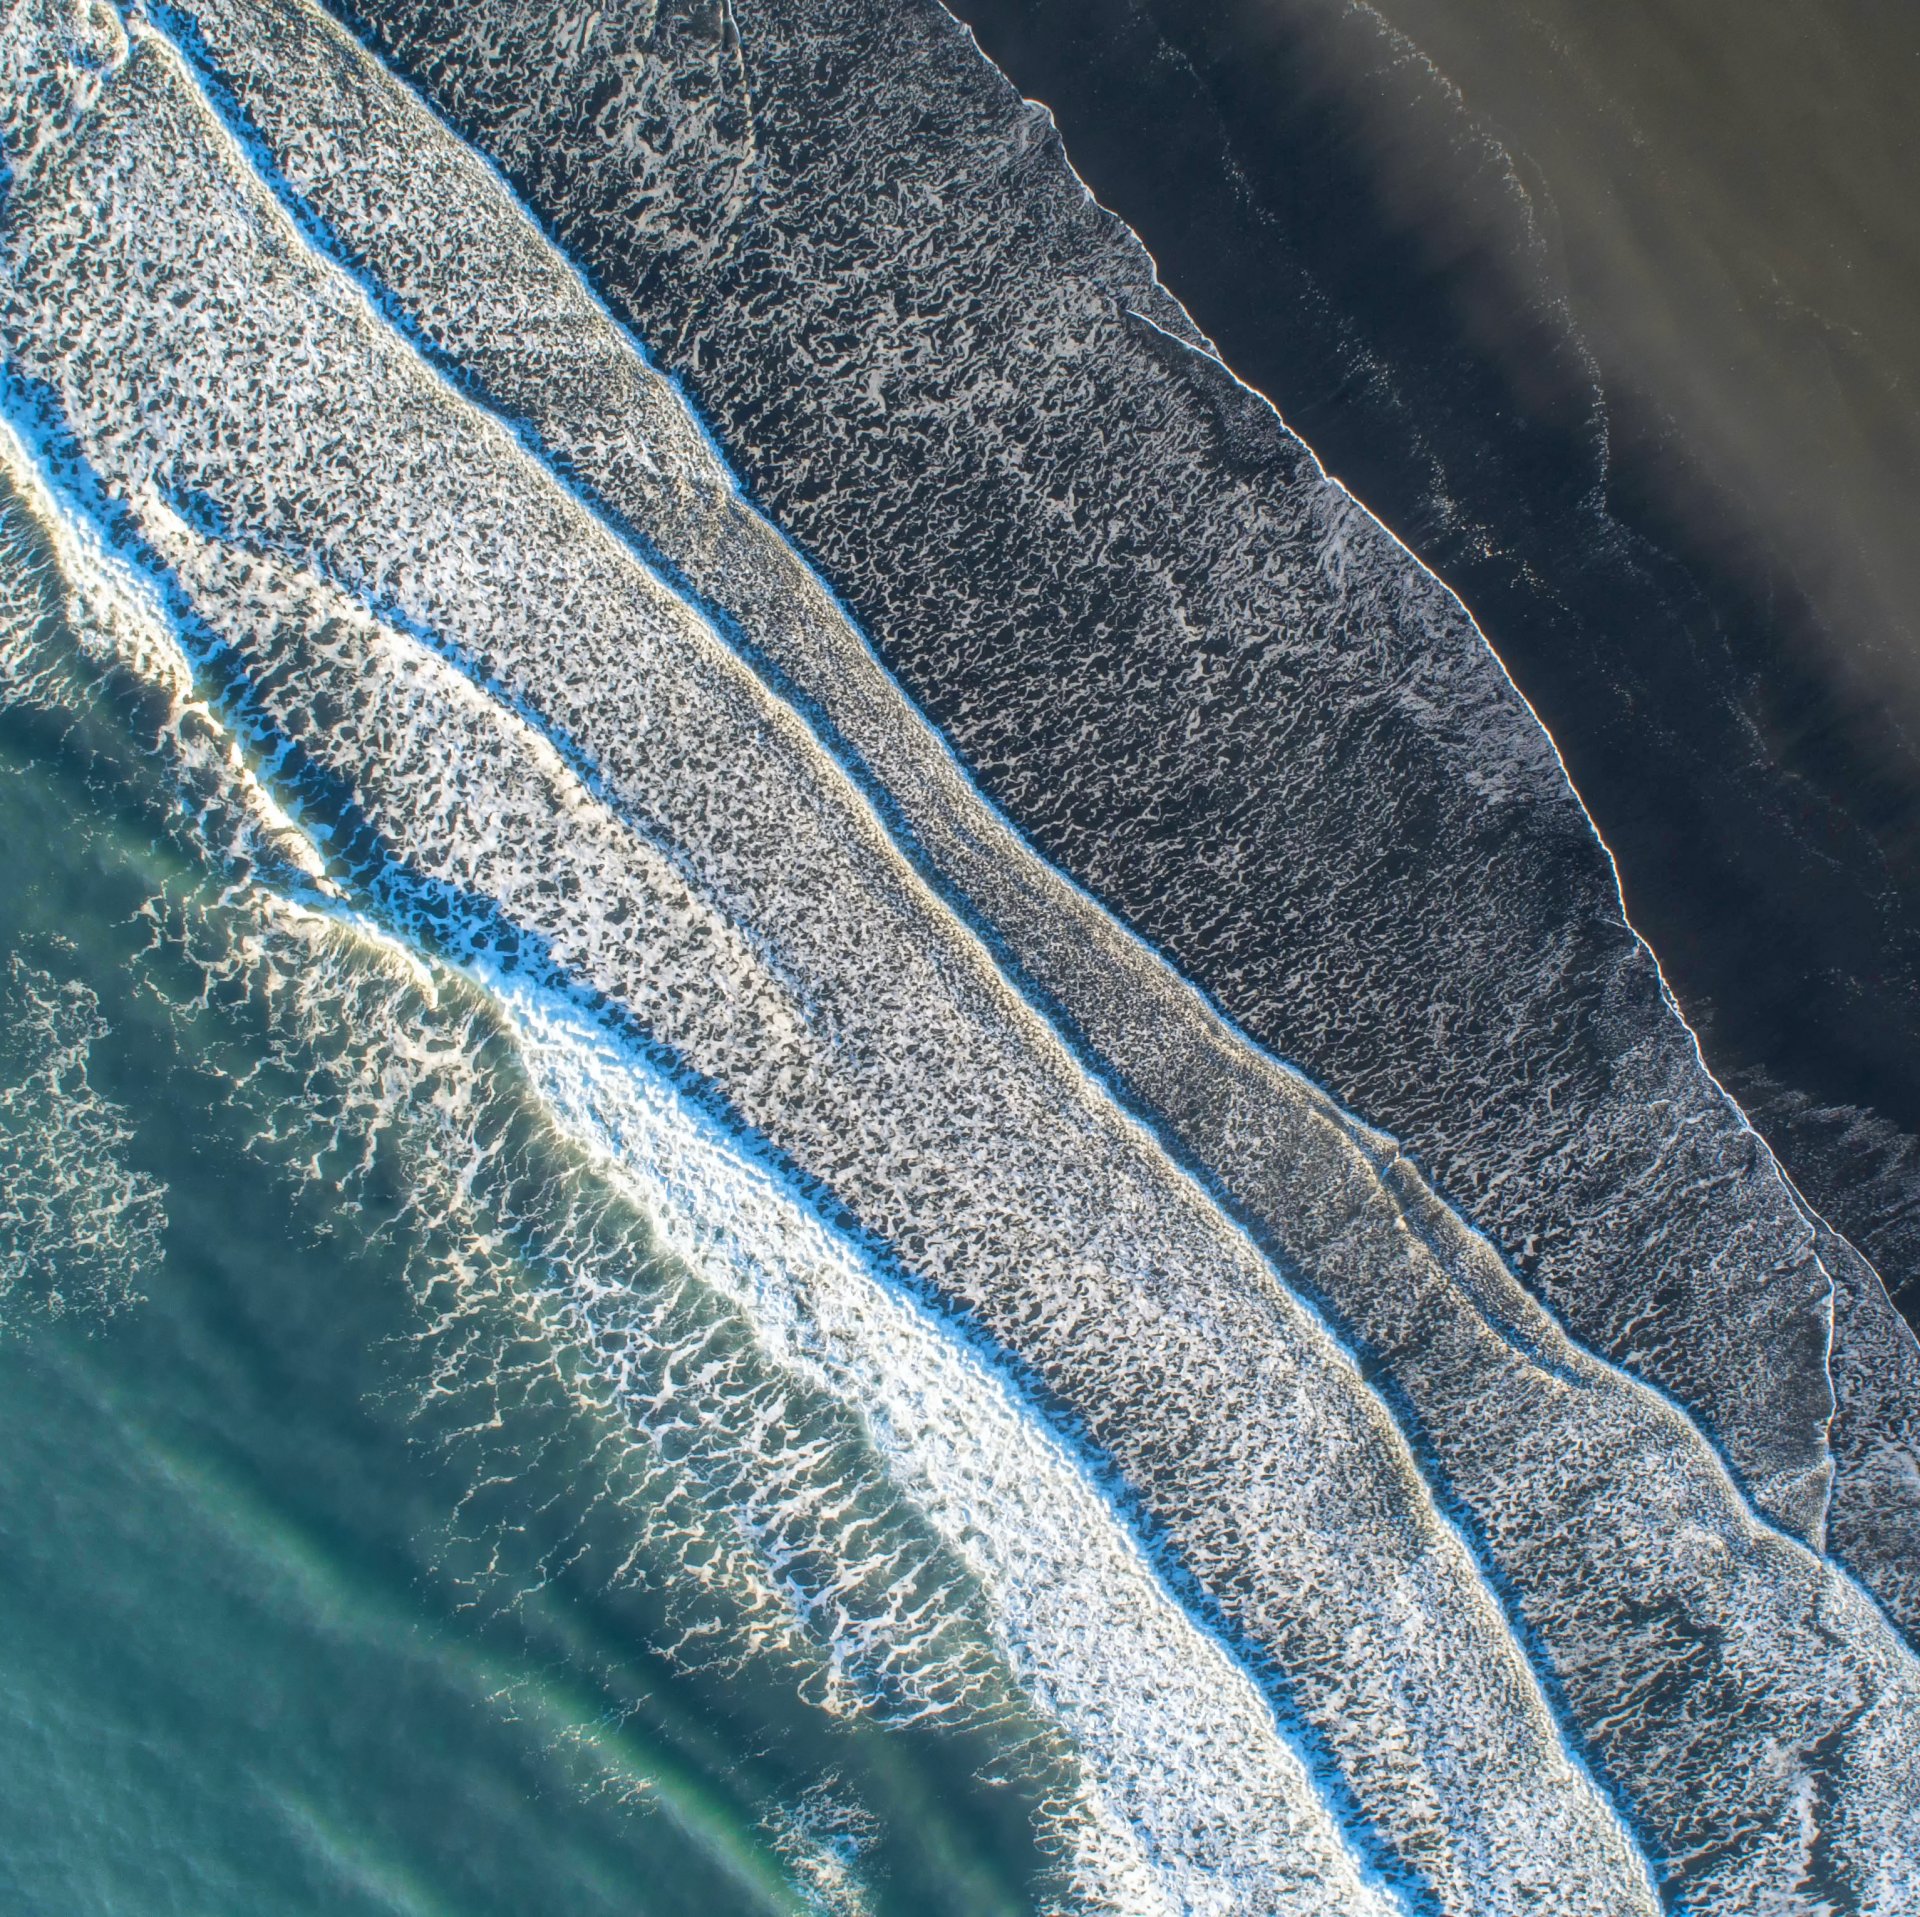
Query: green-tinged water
{"type": "Point", "coordinates": [338, 1573]}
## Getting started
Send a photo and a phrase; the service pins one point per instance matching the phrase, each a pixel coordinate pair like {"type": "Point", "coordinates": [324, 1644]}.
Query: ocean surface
{"type": "Point", "coordinates": [809, 1100]}
{"type": "Point", "coordinates": [342, 1574]}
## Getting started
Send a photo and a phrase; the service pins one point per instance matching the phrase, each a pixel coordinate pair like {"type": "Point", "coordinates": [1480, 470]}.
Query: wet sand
{"type": "Point", "coordinates": [1614, 315]}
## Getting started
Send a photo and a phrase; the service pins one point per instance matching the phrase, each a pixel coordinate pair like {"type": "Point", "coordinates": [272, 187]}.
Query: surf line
{"type": "Point", "coordinates": [531, 1006]}
{"type": "Point", "coordinates": [1327, 1782]}
{"type": "Point", "coordinates": [465, 399]}
{"type": "Point", "coordinates": [903, 828]}
{"type": "Point", "coordinates": [1202, 347]}
{"type": "Point", "coordinates": [563, 483]}
{"type": "Point", "coordinates": [190, 48]}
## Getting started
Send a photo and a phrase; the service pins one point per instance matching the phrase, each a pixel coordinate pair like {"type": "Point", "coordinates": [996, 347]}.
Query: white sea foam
{"type": "Point", "coordinates": [1560, 1457]}
{"type": "Point", "coordinates": [1195, 1800]}
{"type": "Point", "coordinates": [914, 1082]}
{"type": "Point", "coordinates": [923, 341]}
{"type": "Point", "coordinates": [1191, 1769]}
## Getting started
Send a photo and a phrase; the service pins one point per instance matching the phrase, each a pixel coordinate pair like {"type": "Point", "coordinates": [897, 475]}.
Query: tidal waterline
{"type": "Point", "coordinates": [1609, 313]}
{"type": "Point", "coordinates": [336, 1580]}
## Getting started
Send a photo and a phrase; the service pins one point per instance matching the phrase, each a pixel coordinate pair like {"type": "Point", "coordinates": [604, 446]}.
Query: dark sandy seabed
{"type": "Point", "coordinates": [810, 1103]}
{"type": "Point", "coordinates": [1610, 314]}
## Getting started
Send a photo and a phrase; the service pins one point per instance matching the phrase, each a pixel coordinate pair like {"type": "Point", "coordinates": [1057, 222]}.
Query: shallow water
{"type": "Point", "coordinates": [336, 1581]}
{"type": "Point", "coordinates": [1609, 313]}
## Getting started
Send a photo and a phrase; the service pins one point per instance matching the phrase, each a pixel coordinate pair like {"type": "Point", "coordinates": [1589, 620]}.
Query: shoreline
{"type": "Point", "coordinates": [1768, 849]}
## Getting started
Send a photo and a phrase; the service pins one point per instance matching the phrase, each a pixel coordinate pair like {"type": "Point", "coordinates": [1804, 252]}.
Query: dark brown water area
{"type": "Point", "coordinates": [1613, 314]}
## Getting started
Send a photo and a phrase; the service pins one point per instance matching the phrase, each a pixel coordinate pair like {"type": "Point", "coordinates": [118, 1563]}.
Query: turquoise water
{"type": "Point", "coordinates": [335, 1581]}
